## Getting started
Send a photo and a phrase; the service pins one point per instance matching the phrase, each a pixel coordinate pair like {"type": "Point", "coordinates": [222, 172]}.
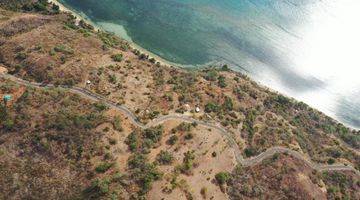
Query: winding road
{"type": "Point", "coordinates": [245, 162]}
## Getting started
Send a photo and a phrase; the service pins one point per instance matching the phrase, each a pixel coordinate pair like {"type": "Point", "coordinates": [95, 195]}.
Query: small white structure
{"type": "Point", "coordinates": [88, 82]}
{"type": "Point", "coordinates": [197, 109]}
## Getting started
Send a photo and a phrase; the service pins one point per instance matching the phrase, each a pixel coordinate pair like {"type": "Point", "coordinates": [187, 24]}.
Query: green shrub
{"type": "Point", "coordinates": [189, 136]}
{"type": "Point", "coordinates": [103, 167]}
{"type": "Point", "coordinates": [222, 177]}
{"type": "Point", "coordinates": [63, 49]}
{"type": "Point", "coordinates": [331, 161]}
{"type": "Point", "coordinates": [153, 134]}
{"type": "Point", "coordinates": [184, 127]}
{"type": "Point", "coordinates": [132, 141]}
{"type": "Point", "coordinates": [52, 52]}
{"type": "Point", "coordinates": [142, 172]}
{"type": "Point", "coordinates": [39, 6]}
{"type": "Point", "coordinates": [250, 152]}
{"type": "Point", "coordinates": [100, 106]}
{"type": "Point", "coordinates": [21, 56]}
{"type": "Point", "coordinates": [136, 160]}
{"type": "Point", "coordinates": [248, 124]}
{"type": "Point", "coordinates": [117, 57]}
{"type": "Point", "coordinates": [165, 157]}
{"type": "Point", "coordinates": [228, 104]}
{"type": "Point", "coordinates": [204, 192]}
{"type": "Point", "coordinates": [172, 140]}
{"type": "Point", "coordinates": [225, 68]}
{"type": "Point", "coordinates": [9, 124]}
{"type": "Point", "coordinates": [221, 81]}
{"type": "Point", "coordinates": [109, 39]}
{"type": "Point", "coordinates": [211, 75]}
{"type": "Point", "coordinates": [98, 188]}
{"type": "Point", "coordinates": [188, 162]}
{"type": "Point", "coordinates": [112, 79]}
{"type": "Point", "coordinates": [112, 141]}
{"type": "Point", "coordinates": [117, 124]}
{"type": "Point", "coordinates": [55, 8]}
{"type": "Point", "coordinates": [211, 107]}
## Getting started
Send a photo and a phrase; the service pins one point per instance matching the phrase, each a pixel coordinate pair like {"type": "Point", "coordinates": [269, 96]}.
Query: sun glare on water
{"type": "Point", "coordinates": [331, 45]}
{"type": "Point", "coordinates": [329, 50]}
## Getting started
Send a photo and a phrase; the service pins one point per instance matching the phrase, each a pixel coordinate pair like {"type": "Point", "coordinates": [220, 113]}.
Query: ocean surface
{"type": "Point", "coordinates": [306, 49]}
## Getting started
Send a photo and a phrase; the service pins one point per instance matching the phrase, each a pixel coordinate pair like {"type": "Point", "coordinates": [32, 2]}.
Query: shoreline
{"type": "Point", "coordinates": [133, 46]}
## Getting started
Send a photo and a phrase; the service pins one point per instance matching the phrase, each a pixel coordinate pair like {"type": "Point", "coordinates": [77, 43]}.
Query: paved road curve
{"type": "Point", "coordinates": [245, 162]}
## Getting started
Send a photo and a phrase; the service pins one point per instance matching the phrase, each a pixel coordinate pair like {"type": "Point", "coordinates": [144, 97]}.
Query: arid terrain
{"type": "Point", "coordinates": [90, 117]}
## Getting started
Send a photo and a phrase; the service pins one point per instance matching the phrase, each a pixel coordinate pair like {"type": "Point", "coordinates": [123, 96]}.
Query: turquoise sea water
{"type": "Point", "coordinates": [303, 48]}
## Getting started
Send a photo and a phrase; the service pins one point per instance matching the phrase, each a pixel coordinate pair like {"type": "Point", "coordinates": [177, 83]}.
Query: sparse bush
{"type": "Point", "coordinates": [211, 107]}
{"type": "Point", "coordinates": [188, 162]}
{"type": "Point", "coordinates": [117, 123]}
{"type": "Point", "coordinates": [154, 134]}
{"type": "Point", "coordinates": [112, 79]}
{"type": "Point", "coordinates": [228, 104]}
{"type": "Point", "coordinates": [21, 56]}
{"type": "Point", "coordinates": [132, 141]}
{"type": "Point", "coordinates": [143, 173]}
{"type": "Point", "coordinates": [225, 68]}
{"type": "Point", "coordinates": [250, 152]}
{"type": "Point", "coordinates": [221, 81]}
{"type": "Point", "coordinates": [98, 188]}
{"type": "Point", "coordinates": [100, 106]}
{"type": "Point", "coordinates": [112, 141]}
{"type": "Point", "coordinates": [211, 75]}
{"type": "Point", "coordinates": [214, 154]}
{"type": "Point", "coordinates": [183, 127]}
{"type": "Point", "coordinates": [55, 8]}
{"type": "Point", "coordinates": [144, 140]}
{"type": "Point", "coordinates": [172, 140]}
{"type": "Point", "coordinates": [189, 136]}
{"type": "Point", "coordinates": [165, 157]}
{"type": "Point", "coordinates": [103, 167]}
{"type": "Point", "coordinates": [63, 49]}
{"type": "Point", "coordinates": [109, 39]}
{"type": "Point", "coordinates": [40, 6]}
{"type": "Point", "coordinates": [117, 57]}
{"type": "Point", "coordinates": [331, 161]}
{"type": "Point", "coordinates": [222, 177]}
{"type": "Point", "coordinates": [9, 124]}
{"type": "Point", "coordinates": [204, 192]}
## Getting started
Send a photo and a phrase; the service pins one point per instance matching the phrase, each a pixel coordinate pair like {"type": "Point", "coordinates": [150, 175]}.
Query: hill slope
{"type": "Point", "coordinates": [204, 128]}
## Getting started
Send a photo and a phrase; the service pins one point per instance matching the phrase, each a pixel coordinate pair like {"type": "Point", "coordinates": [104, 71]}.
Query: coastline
{"type": "Point", "coordinates": [132, 44]}
{"type": "Point", "coordinates": [164, 62]}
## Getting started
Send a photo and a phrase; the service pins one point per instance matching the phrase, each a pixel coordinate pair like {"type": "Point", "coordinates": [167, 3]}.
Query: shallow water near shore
{"type": "Point", "coordinates": [307, 49]}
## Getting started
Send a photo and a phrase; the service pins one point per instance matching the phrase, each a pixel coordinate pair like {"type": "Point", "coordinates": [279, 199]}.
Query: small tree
{"type": "Point", "coordinates": [211, 107]}
{"type": "Point", "coordinates": [228, 104]}
{"type": "Point", "coordinates": [117, 57]}
{"type": "Point", "coordinates": [172, 140]}
{"type": "Point", "coordinates": [165, 157]}
{"type": "Point", "coordinates": [222, 177]}
{"type": "Point", "coordinates": [221, 82]}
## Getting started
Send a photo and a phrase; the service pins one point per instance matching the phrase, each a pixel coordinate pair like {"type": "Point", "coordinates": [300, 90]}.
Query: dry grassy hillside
{"type": "Point", "coordinates": [58, 145]}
